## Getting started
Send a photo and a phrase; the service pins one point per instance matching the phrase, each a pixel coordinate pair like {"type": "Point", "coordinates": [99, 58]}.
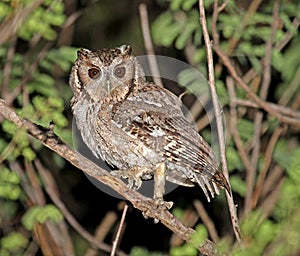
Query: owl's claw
{"type": "Point", "coordinates": [134, 176]}
{"type": "Point", "coordinates": [133, 182]}
{"type": "Point", "coordinates": [161, 202]}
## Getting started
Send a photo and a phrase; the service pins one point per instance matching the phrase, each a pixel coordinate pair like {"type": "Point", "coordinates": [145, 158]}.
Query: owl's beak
{"type": "Point", "coordinates": [108, 86]}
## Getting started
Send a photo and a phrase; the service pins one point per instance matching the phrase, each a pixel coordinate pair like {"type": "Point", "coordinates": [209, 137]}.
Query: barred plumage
{"type": "Point", "coordinates": [137, 126]}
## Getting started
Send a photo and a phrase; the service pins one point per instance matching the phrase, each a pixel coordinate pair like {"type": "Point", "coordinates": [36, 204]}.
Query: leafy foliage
{"type": "Point", "coordinates": [244, 39]}
{"type": "Point", "coordinates": [38, 98]}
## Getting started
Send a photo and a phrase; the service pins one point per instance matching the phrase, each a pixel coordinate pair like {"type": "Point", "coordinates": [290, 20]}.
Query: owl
{"type": "Point", "coordinates": [137, 126]}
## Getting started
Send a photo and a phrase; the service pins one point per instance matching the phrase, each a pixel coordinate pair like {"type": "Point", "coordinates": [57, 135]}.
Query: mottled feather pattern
{"type": "Point", "coordinates": [139, 126]}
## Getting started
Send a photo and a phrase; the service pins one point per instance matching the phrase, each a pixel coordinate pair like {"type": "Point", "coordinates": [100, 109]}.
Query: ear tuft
{"type": "Point", "coordinates": [83, 53]}
{"type": "Point", "coordinates": [125, 49]}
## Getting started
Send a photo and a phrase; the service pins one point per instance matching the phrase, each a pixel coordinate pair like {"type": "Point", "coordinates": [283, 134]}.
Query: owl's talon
{"type": "Point", "coordinates": [134, 176]}
{"type": "Point", "coordinates": [166, 204]}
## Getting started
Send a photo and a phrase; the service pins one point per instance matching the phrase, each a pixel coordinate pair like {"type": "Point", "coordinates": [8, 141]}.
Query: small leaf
{"type": "Point", "coordinates": [7, 175]}
{"type": "Point", "coordinates": [238, 185]}
{"type": "Point", "coordinates": [14, 242]}
{"type": "Point", "coordinates": [188, 4]}
{"type": "Point", "coordinates": [41, 214]}
{"type": "Point", "coordinates": [175, 4]}
{"type": "Point", "coordinates": [29, 154]}
{"type": "Point", "coordinates": [200, 235]}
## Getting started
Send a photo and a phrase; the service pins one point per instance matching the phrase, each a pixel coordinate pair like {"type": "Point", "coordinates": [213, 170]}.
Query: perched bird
{"type": "Point", "coordinates": [137, 126]}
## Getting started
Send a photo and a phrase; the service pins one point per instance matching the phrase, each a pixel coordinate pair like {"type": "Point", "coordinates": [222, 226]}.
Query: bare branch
{"type": "Point", "coordinates": [121, 225]}
{"type": "Point", "coordinates": [148, 45]}
{"type": "Point", "coordinates": [206, 220]}
{"type": "Point", "coordinates": [216, 106]}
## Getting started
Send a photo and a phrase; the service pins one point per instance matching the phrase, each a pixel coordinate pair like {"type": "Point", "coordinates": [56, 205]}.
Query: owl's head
{"type": "Point", "coordinates": [98, 73]}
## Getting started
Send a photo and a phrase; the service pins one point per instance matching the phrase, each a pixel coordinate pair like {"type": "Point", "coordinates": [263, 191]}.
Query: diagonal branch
{"type": "Point", "coordinates": [146, 205]}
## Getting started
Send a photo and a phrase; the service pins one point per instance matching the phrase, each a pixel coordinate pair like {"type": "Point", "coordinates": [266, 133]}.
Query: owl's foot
{"type": "Point", "coordinates": [160, 202]}
{"type": "Point", "coordinates": [159, 185]}
{"type": "Point", "coordinates": [161, 205]}
{"type": "Point", "coordinates": [159, 189]}
{"type": "Point", "coordinates": [135, 176]}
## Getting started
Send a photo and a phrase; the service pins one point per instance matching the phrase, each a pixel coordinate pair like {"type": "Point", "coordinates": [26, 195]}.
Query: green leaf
{"type": "Point", "coordinates": [245, 127]}
{"type": "Point", "coordinates": [278, 60]}
{"type": "Point", "coordinates": [39, 214]}
{"type": "Point", "coordinates": [188, 4]}
{"type": "Point", "coordinates": [14, 242]}
{"type": "Point", "coordinates": [281, 154]}
{"type": "Point", "coordinates": [233, 159]}
{"type": "Point", "coordinates": [238, 185]}
{"type": "Point", "coordinates": [294, 167]}
{"type": "Point", "coordinates": [165, 25]}
{"type": "Point", "coordinates": [9, 127]}
{"type": "Point", "coordinates": [141, 251]}
{"type": "Point", "coordinates": [5, 10]}
{"type": "Point", "coordinates": [29, 154]}
{"type": "Point", "coordinates": [178, 213]}
{"type": "Point", "coordinates": [7, 175]}
{"type": "Point", "coordinates": [59, 119]}
{"type": "Point", "coordinates": [222, 92]}
{"type": "Point", "coordinates": [193, 80]}
{"type": "Point", "coordinates": [200, 235]}
{"type": "Point", "coordinates": [10, 191]}
{"type": "Point", "coordinates": [175, 4]}
{"type": "Point", "coordinates": [186, 250]}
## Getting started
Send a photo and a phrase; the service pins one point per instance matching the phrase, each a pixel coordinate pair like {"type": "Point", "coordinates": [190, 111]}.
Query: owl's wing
{"type": "Point", "coordinates": [156, 119]}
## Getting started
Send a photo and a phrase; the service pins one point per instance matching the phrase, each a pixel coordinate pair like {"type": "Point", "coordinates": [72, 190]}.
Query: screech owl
{"type": "Point", "coordinates": [138, 126]}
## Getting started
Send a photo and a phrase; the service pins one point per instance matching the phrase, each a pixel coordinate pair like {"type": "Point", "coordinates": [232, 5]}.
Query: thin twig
{"type": "Point", "coordinates": [270, 202]}
{"type": "Point", "coordinates": [280, 109]}
{"type": "Point", "coordinates": [233, 127]}
{"type": "Point", "coordinates": [223, 5]}
{"type": "Point", "coordinates": [206, 220]}
{"type": "Point", "coordinates": [291, 89]}
{"type": "Point", "coordinates": [268, 158]}
{"type": "Point", "coordinates": [148, 45]}
{"type": "Point", "coordinates": [121, 225]}
{"type": "Point", "coordinates": [216, 106]}
{"type": "Point", "coordinates": [102, 230]}
{"type": "Point", "coordinates": [272, 179]}
{"type": "Point", "coordinates": [288, 35]}
{"type": "Point", "coordinates": [8, 67]}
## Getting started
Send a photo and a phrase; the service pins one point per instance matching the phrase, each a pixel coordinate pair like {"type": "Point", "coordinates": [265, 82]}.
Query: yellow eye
{"type": "Point", "coordinates": [120, 72]}
{"type": "Point", "coordinates": [94, 73]}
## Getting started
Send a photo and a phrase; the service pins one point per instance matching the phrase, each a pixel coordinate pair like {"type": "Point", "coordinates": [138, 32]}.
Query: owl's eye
{"type": "Point", "coordinates": [120, 72]}
{"type": "Point", "coordinates": [94, 73]}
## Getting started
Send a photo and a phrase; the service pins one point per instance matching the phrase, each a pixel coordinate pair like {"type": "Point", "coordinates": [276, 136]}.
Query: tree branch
{"type": "Point", "coordinates": [211, 82]}
{"type": "Point", "coordinates": [146, 205]}
{"type": "Point", "coordinates": [148, 45]}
